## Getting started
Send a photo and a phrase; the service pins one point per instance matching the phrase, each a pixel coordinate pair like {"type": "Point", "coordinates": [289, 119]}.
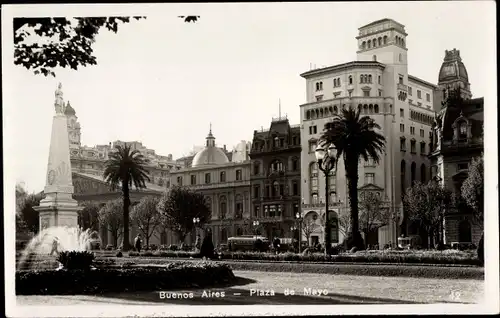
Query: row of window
{"type": "Point", "coordinates": [412, 130]}
{"type": "Point", "coordinates": [419, 94]}
{"type": "Point", "coordinates": [222, 177]}
{"type": "Point", "coordinates": [277, 142]}
{"type": "Point", "coordinates": [334, 110]}
{"type": "Point", "coordinates": [421, 117]}
{"type": "Point", "coordinates": [413, 172]}
{"type": "Point", "coordinates": [373, 42]}
{"type": "Point", "coordinates": [276, 166]}
{"type": "Point", "coordinates": [277, 189]}
{"type": "Point", "coordinates": [272, 210]}
{"type": "Point", "coordinates": [413, 146]}
{"type": "Point", "coordinates": [363, 79]}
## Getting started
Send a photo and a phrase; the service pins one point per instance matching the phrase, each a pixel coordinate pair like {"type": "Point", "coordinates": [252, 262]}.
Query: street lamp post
{"type": "Point", "coordinates": [255, 225]}
{"type": "Point", "coordinates": [196, 221]}
{"type": "Point", "coordinates": [299, 219]}
{"type": "Point", "coordinates": [326, 163]}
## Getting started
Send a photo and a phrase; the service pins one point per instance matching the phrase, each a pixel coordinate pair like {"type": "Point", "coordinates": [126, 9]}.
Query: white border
{"type": "Point", "coordinates": [491, 304]}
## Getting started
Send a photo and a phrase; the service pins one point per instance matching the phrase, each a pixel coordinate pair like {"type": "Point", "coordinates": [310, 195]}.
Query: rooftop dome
{"type": "Point", "coordinates": [452, 67]}
{"type": "Point", "coordinates": [69, 110]}
{"type": "Point", "coordinates": [211, 155]}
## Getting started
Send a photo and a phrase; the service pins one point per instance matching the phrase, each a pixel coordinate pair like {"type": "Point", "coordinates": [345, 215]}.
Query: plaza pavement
{"type": "Point", "coordinates": [341, 289]}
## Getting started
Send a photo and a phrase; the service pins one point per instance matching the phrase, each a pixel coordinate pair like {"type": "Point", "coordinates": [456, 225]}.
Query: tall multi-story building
{"type": "Point", "coordinates": [275, 177]}
{"type": "Point", "coordinates": [457, 138]}
{"type": "Point", "coordinates": [379, 85]}
{"type": "Point", "coordinates": [225, 184]}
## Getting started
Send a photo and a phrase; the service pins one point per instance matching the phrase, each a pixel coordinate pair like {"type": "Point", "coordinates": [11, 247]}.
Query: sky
{"type": "Point", "coordinates": [162, 81]}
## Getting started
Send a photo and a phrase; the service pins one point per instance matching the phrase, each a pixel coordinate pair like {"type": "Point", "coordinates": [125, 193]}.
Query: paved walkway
{"type": "Point", "coordinates": [270, 288]}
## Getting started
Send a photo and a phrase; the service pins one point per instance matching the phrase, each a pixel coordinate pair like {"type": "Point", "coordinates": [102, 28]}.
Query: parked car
{"type": "Point", "coordinates": [248, 243]}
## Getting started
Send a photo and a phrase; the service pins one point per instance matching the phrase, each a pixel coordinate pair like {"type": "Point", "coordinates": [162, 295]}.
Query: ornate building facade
{"type": "Point", "coordinates": [275, 177]}
{"type": "Point", "coordinates": [457, 138]}
{"type": "Point", "coordinates": [225, 184]}
{"type": "Point", "coordinates": [379, 85]}
{"type": "Point", "coordinates": [91, 160]}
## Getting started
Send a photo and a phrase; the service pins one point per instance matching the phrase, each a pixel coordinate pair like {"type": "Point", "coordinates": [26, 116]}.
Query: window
{"type": "Point", "coordinates": [207, 178]}
{"type": "Point", "coordinates": [462, 130]}
{"type": "Point", "coordinates": [401, 79]}
{"type": "Point", "coordinates": [238, 175]}
{"type": "Point", "coordinates": [256, 211]}
{"type": "Point", "coordinates": [369, 162]}
{"type": "Point", "coordinates": [374, 58]}
{"type": "Point", "coordinates": [366, 93]}
{"type": "Point", "coordinates": [428, 97]}
{"type": "Point", "coordinates": [413, 146]}
{"type": "Point", "coordinates": [422, 133]}
{"type": "Point", "coordinates": [294, 140]}
{"type": "Point", "coordinates": [463, 166]}
{"type": "Point", "coordinates": [370, 78]}
{"type": "Point", "coordinates": [312, 146]}
{"type": "Point", "coordinates": [412, 130]}
{"type": "Point", "coordinates": [313, 130]}
{"type": "Point", "coordinates": [295, 188]}
{"type": "Point", "coordinates": [276, 166]}
{"type": "Point", "coordinates": [275, 189]}
{"type": "Point", "coordinates": [222, 207]}
{"type": "Point", "coordinates": [380, 93]}
{"type": "Point", "coordinates": [319, 86]}
{"type": "Point", "coordinates": [295, 164]}
{"type": "Point", "coordinates": [193, 179]}
{"type": "Point", "coordinates": [361, 79]}
{"type": "Point", "coordinates": [179, 181]}
{"type": "Point", "coordinates": [369, 178]}
{"type": "Point", "coordinates": [422, 148]}
{"type": "Point", "coordinates": [419, 93]}
{"type": "Point", "coordinates": [379, 80]}
{"type": "Point", "coordinates": [402, 144]}
{"type": "Point", "coordinates": [256, 191]}
{"type": "Point", "coordinates": [276, 141]}
{"type": "Point", "coordinates": [401, 112]}
{"type": "Point", "coordinates": [410, 90]}
{"type": "Point", "coordinates": [319, 98]}
{"type": "Point", "coordinates": [350, 93]}
{"type": "Point", "coordinates": [350, 79]}
{"type": "Point", "coordinates": [402, 128]}
{"type": "Point", "coordinates": [256, 168]}
{"type": "Point", "coordinates": [313, 175]}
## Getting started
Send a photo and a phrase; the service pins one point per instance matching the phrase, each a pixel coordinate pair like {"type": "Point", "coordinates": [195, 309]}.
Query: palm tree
{"type": "Point", "coordinates": [125, 168]}
{"type": "Point", "coordinates": [354, 137]}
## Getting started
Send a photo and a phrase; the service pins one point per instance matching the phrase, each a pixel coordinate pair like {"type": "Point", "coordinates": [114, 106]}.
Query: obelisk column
{"type": "Point", "coordinates": [58, 208]}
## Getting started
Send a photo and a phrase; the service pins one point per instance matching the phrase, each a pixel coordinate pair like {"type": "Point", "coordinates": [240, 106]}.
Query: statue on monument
{"type": "Point", "coordinates": [59, 102]}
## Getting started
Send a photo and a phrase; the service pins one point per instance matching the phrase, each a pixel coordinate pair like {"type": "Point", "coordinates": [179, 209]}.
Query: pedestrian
{"type": "Point", "coordinates": [55, 245]}
{"type": "Point", "coordinates": [276, 244]}
{"type": "Point", "coordinates": [207, 246]}
{"type": "Point", "coordinates": [138, 242]}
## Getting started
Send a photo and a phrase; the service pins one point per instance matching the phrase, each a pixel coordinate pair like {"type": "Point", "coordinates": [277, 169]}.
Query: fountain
{"type": "Point", "coordinates": [38, 254]}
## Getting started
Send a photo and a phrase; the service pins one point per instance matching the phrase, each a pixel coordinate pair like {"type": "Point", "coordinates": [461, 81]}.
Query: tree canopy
{"type": "Point", "coordinates": [89, 216]}
{"type": "Point", "coordinates": [146, 216]}
{"type": "Point", "coordinates": [427, 204]}
{"type": "Point", "coordinates": [111, 216]}
{"type": "Point", "coordinates": [26, 216]}
{"type": "Point", "coordinates": [374, 212]}
{"type": "Point", "coordinates": [473, 189]}
{"type": "Point", "coordinates": [41, 44]}
{"type": "Point", "coordinates": [179, 206]}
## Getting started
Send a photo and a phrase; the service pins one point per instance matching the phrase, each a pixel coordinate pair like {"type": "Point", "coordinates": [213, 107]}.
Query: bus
{"type": "Point", "coordinates": [248, 243]}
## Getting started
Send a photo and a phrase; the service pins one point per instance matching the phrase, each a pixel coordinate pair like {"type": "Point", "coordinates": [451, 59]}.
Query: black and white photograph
{"type": "Point", "coordinates": [250, 159]}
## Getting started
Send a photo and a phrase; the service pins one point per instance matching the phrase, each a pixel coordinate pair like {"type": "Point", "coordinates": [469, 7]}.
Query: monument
{"type": "Point", "coordinates": [58, 208]}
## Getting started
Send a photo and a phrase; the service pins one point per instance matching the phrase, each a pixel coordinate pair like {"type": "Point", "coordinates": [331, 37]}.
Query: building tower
{"type": "Point", "coordinates": [453, 75]}
{"type": "Point", "coordinates": [74, 133]}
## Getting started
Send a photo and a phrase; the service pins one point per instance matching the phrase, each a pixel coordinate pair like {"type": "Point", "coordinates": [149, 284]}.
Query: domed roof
{"type": "Point", "coordinates": [69, 110]}
{"type": "Point", "coordinates": [453, 68]}
{"type": "Point", "coordinates": [211, 155]}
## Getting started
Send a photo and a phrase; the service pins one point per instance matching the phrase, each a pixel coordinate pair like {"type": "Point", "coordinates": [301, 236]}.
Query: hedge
{"type": "Point", "coordinates": [449, 257]}
{"type": "Point", "coordinates": [414, 271]}
{"type": "Point", "coordinates": [106, 279]}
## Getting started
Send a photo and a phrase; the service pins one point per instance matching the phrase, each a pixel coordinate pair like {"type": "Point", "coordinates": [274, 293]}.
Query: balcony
{"type": "Point", "coordinates": [320, 205]}
{"type": "Point", "coordinates": [402, 87]}
{"type": "Point", "coordinates": [242, 183]}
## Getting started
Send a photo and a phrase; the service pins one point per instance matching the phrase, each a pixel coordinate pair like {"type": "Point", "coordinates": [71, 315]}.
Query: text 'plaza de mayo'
{"type": "Point", "coordinates": [264, 185]}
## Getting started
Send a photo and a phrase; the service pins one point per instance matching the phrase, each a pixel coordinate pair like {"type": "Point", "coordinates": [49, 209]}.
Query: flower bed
{"type": "Point", "coordinates": [447, 257]}
{"type": "Point", "coordinates": [137, 278]}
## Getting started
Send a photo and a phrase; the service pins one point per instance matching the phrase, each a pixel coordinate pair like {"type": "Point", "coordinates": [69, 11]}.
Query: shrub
{"type": "Point", "coordinates": [109, 247]}
{"type": "Point", "coordinates": [173, 247]}
{"type": "Point", "coordinates": [74, 260]}
{"type": "Point", "coordinates": [119, 254]}
{"type": "Point", "coordinates": [144, 278]}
